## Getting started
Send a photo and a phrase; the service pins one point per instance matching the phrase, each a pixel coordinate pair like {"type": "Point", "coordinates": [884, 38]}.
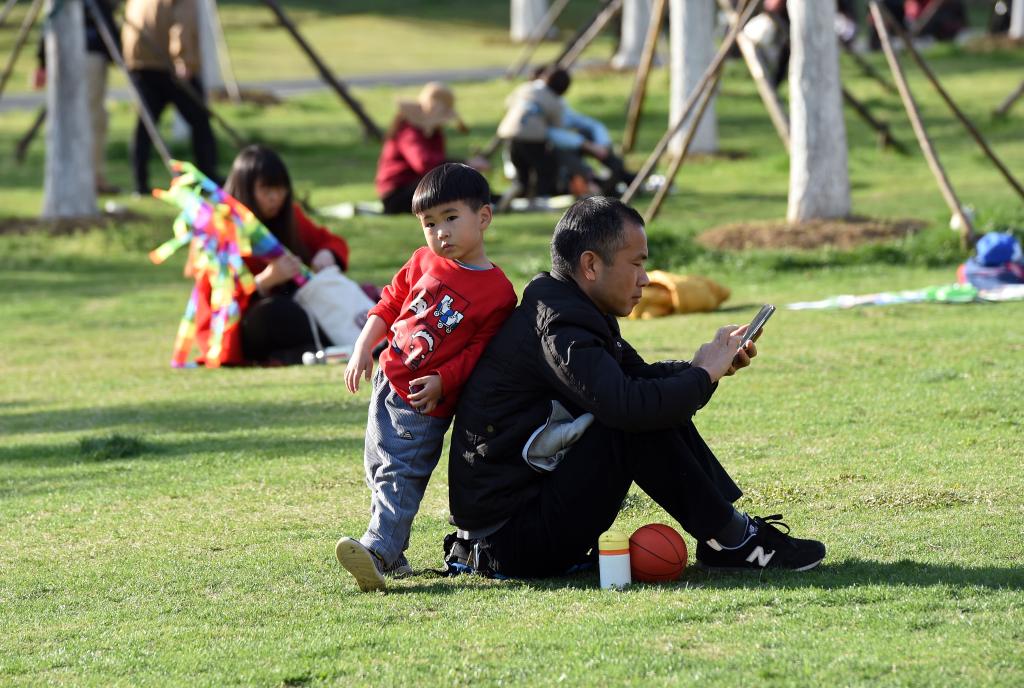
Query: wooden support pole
{"type": "Point", "coordinates": [948, 194]}
{"type": "Point", "coordinates": [19, 42]}
{"type": "Point", "coordinates": [868, 69]}
{"type": "Point", "coordinates": [6, 11]}
{"type": "Point", "coordinates": [765, 89]}
{"type": "Point", "coordinates": [575, 38]}
{"type": "Point", "coordinates": [1004, 108]}
{"type": "Point", "coordinates": [114, 48]}
{"type": "Point", "coordinates": [968, 124]}
{"type": "Point", "coordinates": [488, 148]}
{"type": "Point", "coordinates": [925, 18]}
{"type": "Point", "coordinates": [515, 70]}
{"type": "Point", "coordinates": [643, 71]}
{"type": "Point", "coordinates": [677, 162]}
{"type": "Point", "coordinates": [369, 127]}
{"type": "Point", "coordinates": [21, 147]}
{"type": "Point", "coordinates": [610, 9]}
{"type": "Point", "coordinates": [223, 56]}
{"type": "Point", "coordinates": [885, 137]}
{"type": "Point", "coordinates": [691, 101]}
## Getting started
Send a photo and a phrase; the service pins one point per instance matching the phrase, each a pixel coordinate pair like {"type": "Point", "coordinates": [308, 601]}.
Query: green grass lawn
{"type": "Point", "coordinates": [169, 527]}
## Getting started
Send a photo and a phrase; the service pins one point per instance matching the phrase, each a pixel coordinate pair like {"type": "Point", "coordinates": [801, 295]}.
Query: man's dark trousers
{"type": "Point", "coordinates": [158, 88]}
{"type": "Point", "coordinates": [580, 499]}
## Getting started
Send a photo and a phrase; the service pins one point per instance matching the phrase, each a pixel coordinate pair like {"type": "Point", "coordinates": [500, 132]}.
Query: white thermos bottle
{"type": "Point", "coordinates": [613, 560]}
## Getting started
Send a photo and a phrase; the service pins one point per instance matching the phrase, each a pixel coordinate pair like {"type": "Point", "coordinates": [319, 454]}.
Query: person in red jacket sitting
{"type": "Point", "coordinates": [274, 328]}
{"type": "Point", "coordinates": [415, 144]}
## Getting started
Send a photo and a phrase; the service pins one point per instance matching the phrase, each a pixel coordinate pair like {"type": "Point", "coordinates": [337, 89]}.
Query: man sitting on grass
{"type": "Point", "coordinates": [561, 416]}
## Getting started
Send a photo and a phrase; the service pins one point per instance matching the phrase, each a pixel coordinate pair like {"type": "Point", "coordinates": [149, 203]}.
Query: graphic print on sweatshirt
{"type": "Point", "coordinates": [433, 314]}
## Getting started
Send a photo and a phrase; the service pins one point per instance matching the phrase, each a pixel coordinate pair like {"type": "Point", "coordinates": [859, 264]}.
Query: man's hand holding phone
{"type": "Point", "coordinates": [749, 334]}
{"type": "Point", "coordinates": [733, 347]}
{"type": "Point", "coordinates": [741, 359]}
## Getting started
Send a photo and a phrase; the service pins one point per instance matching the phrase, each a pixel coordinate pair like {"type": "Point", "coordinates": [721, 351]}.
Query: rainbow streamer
{"type": "Point", "coordinates": [219, 232]}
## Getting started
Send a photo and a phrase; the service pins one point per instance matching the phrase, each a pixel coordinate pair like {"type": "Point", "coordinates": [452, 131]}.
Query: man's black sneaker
{"type": "Point", "coordinates": [765, 547]}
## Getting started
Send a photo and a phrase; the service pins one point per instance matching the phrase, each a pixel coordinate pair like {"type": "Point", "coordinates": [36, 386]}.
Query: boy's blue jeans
{"type": "Point", "coordinates": [401, 451]}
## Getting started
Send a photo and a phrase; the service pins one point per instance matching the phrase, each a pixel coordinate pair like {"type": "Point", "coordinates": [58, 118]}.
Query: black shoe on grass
{"type": "Point", "coordinates": [765, 547]}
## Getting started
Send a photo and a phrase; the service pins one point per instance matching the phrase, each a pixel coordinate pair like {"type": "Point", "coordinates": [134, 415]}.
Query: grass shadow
{"type": "Point", "coordinates": [178, 416]}
{"type": "Point", "coordinates": [83, 472]}
{"type": "Point", "coordinates": [854, 572]}
{"type": "Point", "coordinates": [850, 573]}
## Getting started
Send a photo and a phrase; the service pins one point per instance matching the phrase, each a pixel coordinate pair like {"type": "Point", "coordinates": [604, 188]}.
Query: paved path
{"type": "Point", "coordinates": [288, 88]}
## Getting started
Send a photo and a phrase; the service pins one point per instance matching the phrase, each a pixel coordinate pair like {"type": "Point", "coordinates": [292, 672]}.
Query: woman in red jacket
{"type": "Point", "coordinates": [415, 145]}
{"type": "Point", "coordinates": [274, 328]}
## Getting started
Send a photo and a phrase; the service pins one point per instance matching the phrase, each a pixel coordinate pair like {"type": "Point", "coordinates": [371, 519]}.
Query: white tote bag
{"type": "Point", "coordinates": [336, 303]}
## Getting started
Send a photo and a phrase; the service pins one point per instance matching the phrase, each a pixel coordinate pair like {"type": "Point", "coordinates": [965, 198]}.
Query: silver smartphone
{"type": "Point", "coordinates": [757, 324]}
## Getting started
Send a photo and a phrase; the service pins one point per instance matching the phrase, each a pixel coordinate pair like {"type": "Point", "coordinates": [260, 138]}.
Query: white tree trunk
{"type": "Point", "coordinates": [209, 60]}
{"type": "Point", "coordinates": [692, 23]}
{"type": "Point", "coordinates": [69, 187]}
{"type": "Point", "coordinates": [819, 183]}
{"type": "Point", "coordinates": [1017, 20]}
{"type": "Point", "coordinates": [526, 15]}
{"type": "Point", "coordinates": [636, 17]}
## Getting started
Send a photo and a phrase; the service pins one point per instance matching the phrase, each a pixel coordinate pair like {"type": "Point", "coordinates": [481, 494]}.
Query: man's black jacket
{"type": "Point", "coordinates": [556, 345]}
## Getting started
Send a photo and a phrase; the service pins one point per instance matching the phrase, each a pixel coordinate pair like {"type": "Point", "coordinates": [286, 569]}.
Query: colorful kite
{"type": "Point", "coordinates": [219, 232]}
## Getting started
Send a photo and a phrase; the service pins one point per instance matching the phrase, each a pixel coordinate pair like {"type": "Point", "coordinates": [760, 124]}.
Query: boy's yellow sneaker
{"type": "Point", "coordinates": [361, 563]}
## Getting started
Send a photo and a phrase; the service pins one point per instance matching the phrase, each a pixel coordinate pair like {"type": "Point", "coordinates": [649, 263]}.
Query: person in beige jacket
{"type": "Point", "coordinates": [160, 42]}
{"type": "Point", "coordinates": [533, 108]}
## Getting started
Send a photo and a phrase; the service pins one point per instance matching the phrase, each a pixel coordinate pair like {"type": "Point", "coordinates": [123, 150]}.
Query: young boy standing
{"type": "Point", "coordinates": [442, 308]}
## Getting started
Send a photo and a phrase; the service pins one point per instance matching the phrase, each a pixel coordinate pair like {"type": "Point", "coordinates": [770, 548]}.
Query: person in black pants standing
{"type": "Point", "coordinates": [561, 415]}
{"type": "Point", "coordinates": [160, 41]}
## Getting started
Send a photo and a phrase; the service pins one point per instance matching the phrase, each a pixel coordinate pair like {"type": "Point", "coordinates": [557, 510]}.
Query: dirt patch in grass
{"type": "Point", "coordinates": [841, 234]}
{"type": "Point", "coordinates": [66, 225]}
{"type": "Point", "coordinates": [254, 96]}
{"type": "Point", "coordinates": [992, 44]}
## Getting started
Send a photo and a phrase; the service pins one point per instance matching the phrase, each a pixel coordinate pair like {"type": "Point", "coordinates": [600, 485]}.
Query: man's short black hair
{"type": "Point", "coordinates": [450, 182]}
{"type": "Point", "coordinates": [595, 224]}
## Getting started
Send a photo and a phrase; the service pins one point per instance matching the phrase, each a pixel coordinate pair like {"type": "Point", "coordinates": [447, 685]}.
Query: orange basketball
{"type": "Point", "coordinates": [657, 554]}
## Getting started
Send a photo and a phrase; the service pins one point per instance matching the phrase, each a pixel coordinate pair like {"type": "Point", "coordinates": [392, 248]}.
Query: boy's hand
{"type": "Point", "coordinates": [360, 365]}
{"type": "Point", "coordinates": [426, 392]}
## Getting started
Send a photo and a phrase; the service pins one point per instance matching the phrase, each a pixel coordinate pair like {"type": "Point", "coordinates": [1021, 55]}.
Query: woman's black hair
{"type": "Point", "coordinates": [450, 182]}
{"type": "Point", "coordinates": [257, 163]}
{"type": "Point", "coordinates": [595, 224]}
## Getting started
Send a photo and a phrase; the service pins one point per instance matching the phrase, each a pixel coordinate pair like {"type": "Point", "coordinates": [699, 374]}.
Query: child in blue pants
{"type": "Point", "coordinates": [438, 313]}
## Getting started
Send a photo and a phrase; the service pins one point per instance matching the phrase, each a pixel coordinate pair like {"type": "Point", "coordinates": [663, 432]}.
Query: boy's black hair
{"type": "Point", "coordinates": [449, 182]}
{"type": "Point", "coordinates": [593, 224]}
{"type": "Point", "coordinates": [557, 79]}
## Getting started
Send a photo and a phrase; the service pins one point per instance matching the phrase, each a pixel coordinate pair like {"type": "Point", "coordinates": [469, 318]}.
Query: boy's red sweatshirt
{"type": "Point", "coordinates": [441, 315]}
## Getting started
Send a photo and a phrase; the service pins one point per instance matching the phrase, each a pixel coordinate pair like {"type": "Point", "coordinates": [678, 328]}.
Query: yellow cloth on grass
{"type": "Point", "coordinates": [668, 294]}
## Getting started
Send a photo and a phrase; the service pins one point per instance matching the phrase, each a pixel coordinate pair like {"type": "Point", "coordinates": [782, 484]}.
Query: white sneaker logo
{"type": "Point", "coordinates": [759, 554]}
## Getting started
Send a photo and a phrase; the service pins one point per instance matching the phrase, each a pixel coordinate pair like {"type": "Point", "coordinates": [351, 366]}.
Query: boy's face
{"type": "Point", "coordinates": [455, 231]}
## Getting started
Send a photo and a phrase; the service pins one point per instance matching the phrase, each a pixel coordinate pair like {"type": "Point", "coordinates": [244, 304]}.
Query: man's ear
{"type": "Point", "coordinates": [486, 215]}
{"type": "Point", "coordinates": [588, 265]}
